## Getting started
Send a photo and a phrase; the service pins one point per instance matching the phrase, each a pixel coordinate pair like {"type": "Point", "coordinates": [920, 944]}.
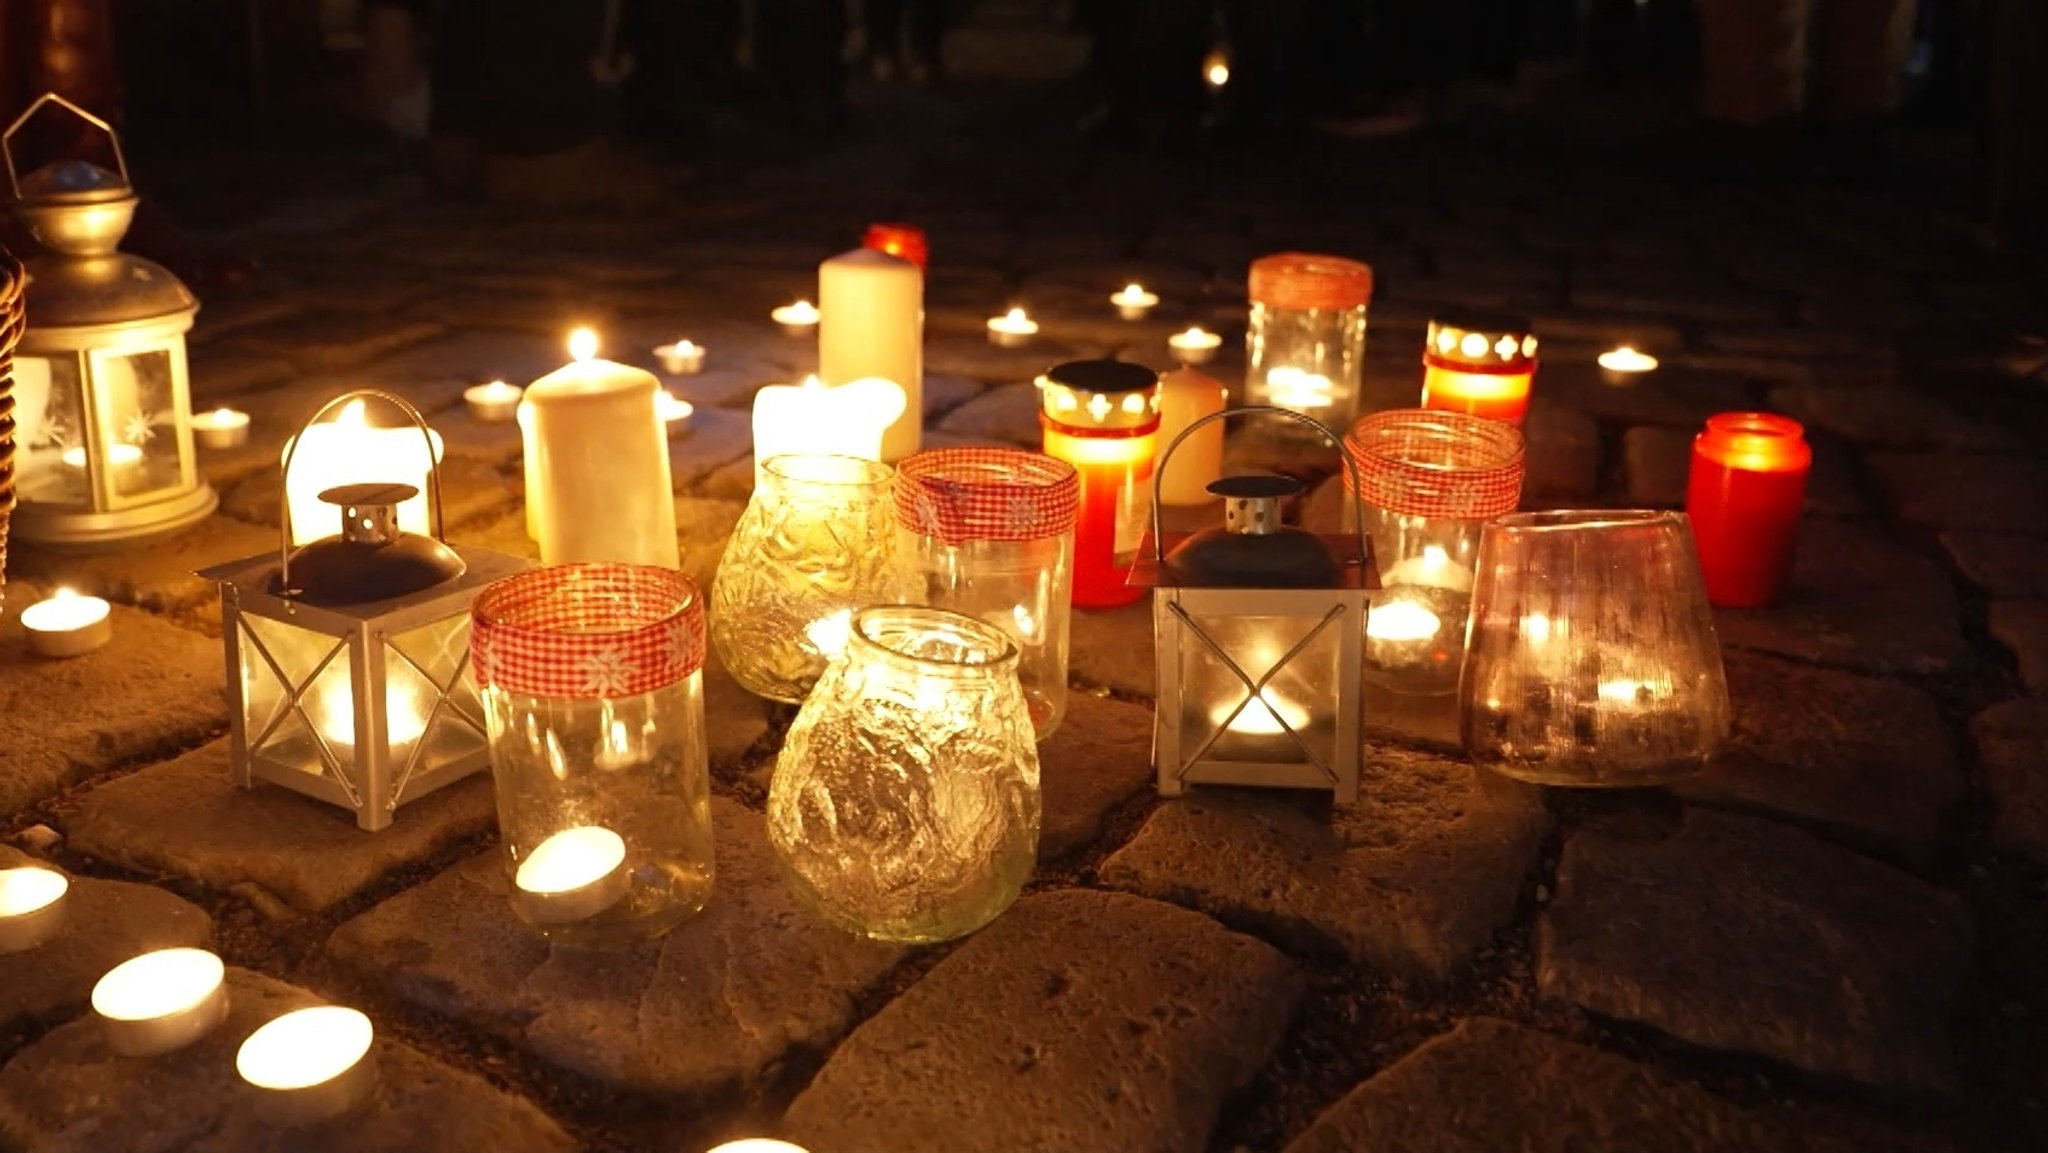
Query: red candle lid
{"type": "Point", "coordinates": [904, 240]}
{"type": "Point", "coordinates": [584, 631]}
{"type": "Point", "coordinates": [1306, 280]}
{"type": "Point", "coordinates": [963, 494]}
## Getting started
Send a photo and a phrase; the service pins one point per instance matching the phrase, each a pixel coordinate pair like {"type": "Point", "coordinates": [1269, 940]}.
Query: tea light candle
{"type": "Point", "coordinates": [1298, 389]}
{"type": "Point", "coordinates": [309, 1065]}
{"type": "Point", "coordinates": [672, 408]}
{"type": "Point", "coordinates": [1013, 329]}
{"type": "Point", "coordinates": [32, 905]}
{"type": "Point", "coordinates": [118, 455]}
{"type": "Point", "coordinates": [851, 419]}
{"type": "Point", "coordinates": [67, 625]}
{"type": "Point", "coordinates": [1134, 302]}
{"type": "Point", "coordinates": [759, 1145]}
{"type": "Point", "coordinates": [1434, 568]}
{"type": "Point", "coordinates": [1195, 346]}
{"type": "Point", "coordinates": [1399, 632]}
{"type": "Point", "coordinates": [1624, 365]}
{"type": "Point", "coordinates": [1744, 496]}
{"type": "Point", "coordinates": [798, 319]}
{"type": "Point", "coordinates": [222, 428]}
{"type": "Point", "coordinates": [493, 403]}
{"type": "Point", "coordinates": [683, 358]}
{"type": "Point", "coordinates": [573, 875]}
{"type": "Point", "coordinates": [161, 1002]}
{"type": "Point", "coordinates": [1262, 717]}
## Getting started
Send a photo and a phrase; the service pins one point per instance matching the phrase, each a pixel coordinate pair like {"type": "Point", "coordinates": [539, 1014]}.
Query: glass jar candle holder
{"type": "Point", "coordinates": [989, 532]}
{"type": "Point", "coordinates": [593, 693]}
{"type": "Point", "coordinates": [905, 803]}
{"type": "Point", "coordinates": [816, 542]}
{"type": "Point", "coordinates": [1481, 364]}
{"type": "Point", "coordinates": [1427, 484]}
{"type": "Point", "coordinates": [1305, 344]}
{"type": "Point", "coordinates": [1102, 417]}
{"type": "Point", "coordinates": [1592, 659]}
{"type": "Point", "coordinates": [1745, 495]}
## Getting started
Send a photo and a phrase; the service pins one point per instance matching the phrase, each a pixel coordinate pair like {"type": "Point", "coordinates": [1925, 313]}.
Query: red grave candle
{"type": "Point", "coordinates": [1747, 488]}
{"type": "Point", "coordinates": [1480, 365]}
{"type": "Point", "coordinates": [904, 240]}
{"type": "Point", "coordinates": [1102, 417]}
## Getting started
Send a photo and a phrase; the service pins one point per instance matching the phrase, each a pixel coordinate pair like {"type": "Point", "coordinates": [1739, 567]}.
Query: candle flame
{"type": "Point", "coordinates": [583, 344]}
{"type": "Point", "coordinates": [1216, 70]}
{"type": "Point", "coordinates": [1015, 314]}
{"type": "Point", "coordinates": [354, 412]}
{"type": "Point", "coordinates": [1402, 621]}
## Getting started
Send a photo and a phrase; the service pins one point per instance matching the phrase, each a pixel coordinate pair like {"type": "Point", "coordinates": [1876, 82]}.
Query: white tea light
{"type": "Point", "coordinates": [161, 1002]}
{"type": "Point", "coordinates": [759, 1145]}
{"type": "Point", "coordinates": [1195, 346]}
{"type": "Point", "coordinates": [309, 1065]}
{"type": "Point", "coordinates": [32, 904]}
{"type": "Point", "coordinates": [573, 875]}
{"type": "Point", "coordinates": [797, 319]}
{"type": "Point", "coordinates": [67, 625]}
{"type": "Point", "coordinates": [118, 456]}
{"type": "Point", "coordinates": [683, 358]}
{"type": "Point", "coordinates": [1625, 365]}
{"type": "Point", "coordinates": [493, 403]}
{"type": "Point", "coordinates": [1013, 329]}
{"type": "Point", "coordinates": [672, 408]}
{"type": "Point", "coordinates": [222, 428]}
{"type": "Point", "coordinates": [1133, 302]}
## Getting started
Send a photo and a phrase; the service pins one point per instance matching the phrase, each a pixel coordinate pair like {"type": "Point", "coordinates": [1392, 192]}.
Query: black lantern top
{"type": "Point", "coordinates": [372, 559]}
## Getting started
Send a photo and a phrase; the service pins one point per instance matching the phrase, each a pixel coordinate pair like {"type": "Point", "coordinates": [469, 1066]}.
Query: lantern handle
{"type": "Point", "coordinates": [21, 121]}
{"type": "Point", "coordinates": [1350, 472]}
{"type": "Point", "coordinates": [284, 517]}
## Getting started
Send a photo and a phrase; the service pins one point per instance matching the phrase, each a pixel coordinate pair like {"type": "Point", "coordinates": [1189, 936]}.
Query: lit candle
{"type": "Point", "coordinates": [1304, 392]}
{"type": "Point", "coordinates": [1399, 632]}
{"type": "Point", "coordinates": [118, 455]}
{"type": "Point", "coordinates": [1186, 396]}
{"type": "Point", "coordinates": [1102, 417]}
{"type": "Point", "coordinates": [1745, 494]}
{"type": "Point", "coordinates": [1013, 329]}
{"type": "Point", "coordinates": [573, 875]}
{"type": "Point", "coordinates": [493, 403]}
{"type": "Point", "coordinates": [309, 1065]}
{"type": "Point", "coordinates": [683, 358]}
{"type": "Point", "coordinates": [346, 450]}
{"type": "Point", "coordinates": [334, 714]}
{"type": "Point", "coordinates": [759, 1145]}
{"type": "Point", "coordinates": [1434, 569]}
{"type": "Point", "coordinates": [1480, 364]}
{"type": "Point", "coordinates": [160, 1002]}
{"type": "Point", "coordinates": [798, 319]}
{"type": "Point", "coordinates": [1133, 302]}
{"type": "Point", "coordinates": [1195, 346]}
{"type": "Point", "coordinates": [32, 904]}
{"type": "Point", "coordinates": [597, 473]}
{"type": "Point", "coordinates": [1625, 366]}
{"type": "Point", "coordinates": [812, 418]}
{"type": "Point", "coordinates": [873, 329]}
{"type": "Point", "coordinates": [1216, 69]}
{"type": "Point", "coordinates": [1262, 715]}
{"type": "Point", "coordinates": [904, 240]}
{"type": "Point", "coordinates": [672, 408]}
{"type": "Point", "coordinates": [222, 428]}
{"type": "Point", "coordinates": [829, 634]}
{"type": "Point", "coordinates": [67, 625]}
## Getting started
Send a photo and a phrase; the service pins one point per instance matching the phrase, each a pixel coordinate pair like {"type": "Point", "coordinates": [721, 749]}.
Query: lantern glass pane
{"type": "Point", "coordinates": [1302, 690]}
{"type": "Point", "coordinates": [139, 407]}
{"type": "Point", "coordinates": [275, 730]}
{"type": "Point", "coordinates": [48, 420]}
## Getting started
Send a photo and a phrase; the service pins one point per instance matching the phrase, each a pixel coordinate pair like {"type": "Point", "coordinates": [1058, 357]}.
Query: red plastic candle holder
{"type": "Point", "coordinates": [904, 240]}
{"type": "Point", "coordinates": [1481, 365]}
{"type": "Point", "coordinates": [1745, 494]}
{"type": "Point", "coordinates": [1102, 417]}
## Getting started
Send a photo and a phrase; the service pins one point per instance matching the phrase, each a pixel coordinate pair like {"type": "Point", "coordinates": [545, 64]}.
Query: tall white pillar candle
{"type": "Point", "coordinates": [597, 465]}
{"type": "Point", "coordinates": [872, 325]}
{"type": "Point", "coordinates": [1186, 396]}
{"type": "Point", "coordinates": [850, 420]}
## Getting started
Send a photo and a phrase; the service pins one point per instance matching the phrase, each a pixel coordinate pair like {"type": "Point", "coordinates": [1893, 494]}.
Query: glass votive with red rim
{"type": "Point", "coordinates": [1481, 364]}
{"type": "Point", "coordinates": [904, 240]}
{"type": "Point", "coordinates": [1745, 495]}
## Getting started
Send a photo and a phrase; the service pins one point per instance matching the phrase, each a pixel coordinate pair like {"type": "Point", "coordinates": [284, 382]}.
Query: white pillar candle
{"type": "Point", "coordinates": [683, 358]}
{"type": "Point", "coordinates": [67, 625]}
{"type": "Point", "coordinates": [597, 473]}
{"type": "Point", "coordinates": [873, 327]}
{"type": "Point", "coordinates": [32, 904]}
{"type": "Point", "coordinates": [493, 403]}
{"type": "Point", "coordinates": [1133, 302]}
{"type": "Point", "coordinates": [852, 419]}
{"type": "Point", "coordinates": [1187, 395]}
{"type": "Point", "coordinates": [573, 875]}
{"type": "Point", "coordinates": [222, 428]}
{"type": "Point", "coordinates": [160, 1002]}
{"type": "Point", "coordinates": [309, 1065]}
{"type": "Point", "coordinates": [1013, 329]}
{"type": "Point", "coordinates": [798, 319]}
{"type": "Point", "coordinates": [1195, 346]}
{"type": "Point", "coordinates": [346, 450]}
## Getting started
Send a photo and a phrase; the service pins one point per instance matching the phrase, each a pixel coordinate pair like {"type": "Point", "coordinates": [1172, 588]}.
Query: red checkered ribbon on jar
{"type": "Point", "coordinates": [961, 494]}
{"type": "Point", "coordinates": [1421, 462]}
{"type": "Point", "coordinates": [586, 631]}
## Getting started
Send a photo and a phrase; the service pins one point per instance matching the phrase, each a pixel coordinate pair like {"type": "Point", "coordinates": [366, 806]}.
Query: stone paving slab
{"type": "Point", "coordinates": [187, 817]}
{"type": "Point", "coordinates": [1079, 1022]}
{"type": "Point", "coordinates": [154, 689]}
{"type": "Point", "coordinates": [1563, 460]}
{"type": "Point", "coordinates": [331, 341]}
{"type": "Point", "coordinates": [720, 1001]}
{"type": "Point", "coordinates": [1657, 465]}
{"type": "Point", "coordinates": [1490, 1085]}
{"type": "Point", "coordinates": [68, 1093]}
{"type": "Point", "coordinates": [1956, 491]}
{"type": "Point", "coordinates": [1099, 758]}
{"type": "Point", "coordinates": [2002, 564]}
{"type": "Point", "coordinates": [1412, 879]}
{"type": "Point", "coordinates": [161, 576]}
{"type": "Point", "coordinates": [2022, 626]}
{"type": "Point", "coordinates": [1739, 934]}
{"type": "Point", "coordinates": [106, 922]}
{"type": "Point", "coordinates": [2012, 751]}
{"type": "Point", "coordinates": [1888, 415]}
{"type": "Point", "coordinates": [1112, 648]}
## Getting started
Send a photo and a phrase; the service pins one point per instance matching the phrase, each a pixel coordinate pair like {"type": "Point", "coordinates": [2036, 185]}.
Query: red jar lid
{"type": "Point", "coordinates": [1305, 280]}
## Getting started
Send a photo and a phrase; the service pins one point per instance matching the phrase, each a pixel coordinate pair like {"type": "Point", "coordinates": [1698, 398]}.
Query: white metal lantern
{"type": "Point", "coordinates": [1257, 628]}
{"type": "Point", "coordinates": [348, 657]}
{"type": "Point", "coordinates": [102, 392]}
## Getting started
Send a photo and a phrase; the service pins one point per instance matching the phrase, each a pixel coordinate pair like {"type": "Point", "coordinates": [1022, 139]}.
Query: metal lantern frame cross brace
{"type": "Point", "coordinates": [1184, 613]}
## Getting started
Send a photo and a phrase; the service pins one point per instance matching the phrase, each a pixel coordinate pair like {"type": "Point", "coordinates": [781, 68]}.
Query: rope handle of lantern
{"type": "Point", "coordinates": [1336, 442]}
{"type": "Point", "coordinates": [21, 121]}
{"type": "Point", "coordinates": [405, 408]}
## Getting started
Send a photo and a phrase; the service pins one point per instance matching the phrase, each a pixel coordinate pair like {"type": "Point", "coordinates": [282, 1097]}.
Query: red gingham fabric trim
{"type": "Point", "coordinates": [1418, 462]}
{"type": "Point", "coordinates": [1306, 280]}
{"type": "Point", "coordinates": [587, 631]}
{"type": "Point", "coordinates": [963, 494]}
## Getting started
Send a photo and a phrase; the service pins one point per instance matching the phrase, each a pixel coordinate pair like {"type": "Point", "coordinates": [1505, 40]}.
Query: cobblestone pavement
{"type": "Point", "coordinates": [1836, 939]}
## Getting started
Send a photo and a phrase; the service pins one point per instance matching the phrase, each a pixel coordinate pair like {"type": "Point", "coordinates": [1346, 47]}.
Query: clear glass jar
{"type": "Point", "coordinates": [593, 694]}
{"type": "Point", "coordinates": [817, 541]}
{"type": "Point", "coordinates": [1427, 484]}
{"type": "Point", "coordinates": [1305, 346]}
{"type": "Point", "coordinates": [1593, 659]}
{"type": "Point", "coordinates": [989, 532]}
{"type": "Point", "coordinates": [905, 804]}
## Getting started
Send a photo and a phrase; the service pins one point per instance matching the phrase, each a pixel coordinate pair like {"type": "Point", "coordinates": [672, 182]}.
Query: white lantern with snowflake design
{"type": "Point", "coordinates": [103, 409]}
{"type": "Point", "coordinates": [348, 657]}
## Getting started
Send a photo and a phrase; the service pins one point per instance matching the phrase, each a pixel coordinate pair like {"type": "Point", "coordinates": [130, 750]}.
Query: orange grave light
{"type": "Point", "coordinates": [1479, 364]}
{"type": "Point", "coordinates": [1745, 494]}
